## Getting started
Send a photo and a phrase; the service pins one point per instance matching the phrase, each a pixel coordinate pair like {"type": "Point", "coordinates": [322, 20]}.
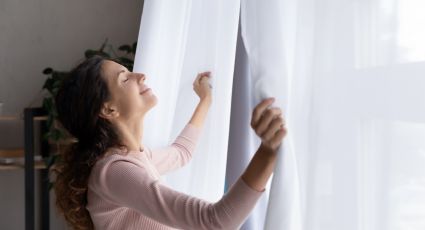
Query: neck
{"type": "Point", "coordinates": [131, 133]}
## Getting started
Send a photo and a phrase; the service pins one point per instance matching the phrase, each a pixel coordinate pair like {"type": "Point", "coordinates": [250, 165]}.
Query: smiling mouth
{"type": "Point", "coordinates": [145, 90]}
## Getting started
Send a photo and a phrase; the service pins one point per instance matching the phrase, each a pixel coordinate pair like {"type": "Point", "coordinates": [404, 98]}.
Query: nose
{"type": "Point", "coordinates": [142, 77]}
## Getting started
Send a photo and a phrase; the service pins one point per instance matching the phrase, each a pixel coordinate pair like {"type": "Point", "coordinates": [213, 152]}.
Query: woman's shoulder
{"type": "Point", "coordinates": [98, 175]}
{"type": "Point", "coordinates": [113, 155]}
{"type": "Point", "coordinates": [124, 162]}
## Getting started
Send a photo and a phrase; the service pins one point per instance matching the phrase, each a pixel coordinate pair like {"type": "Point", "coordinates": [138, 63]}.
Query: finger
{"type": "Point", "coordinates": [196, 82]}
{"type": "Point", "coordinates": [274, 126]}
{"type": "Point", "coordinates": [259, 109]}
{"type": "Point", "coordinates": [276, 141]}
{"type": "Point", "coordinates": [266, 118]}
{"type": "Point", "coordinates": [206, 82]}
{"type": "Point", "coordinates": [199, 79]}
{"type": "Point", "coordinates": [204, 74]}
{"type": "Point", "coordinates": [204, 78]}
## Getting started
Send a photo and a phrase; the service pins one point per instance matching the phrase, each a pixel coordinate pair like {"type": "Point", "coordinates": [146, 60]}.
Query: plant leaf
{"type": "Point", "coordinates": [103, 45]}
{"type": "Point", "coordinates": [90, 53]}
{"type": "Point", "coordinates": [125, 48]}
{"type": "Point", "coordinates": [125, 60]}
{"type": "Point", "coordinates": [48, 84]}
{"type": "Point", "coordinates": [47, 70]}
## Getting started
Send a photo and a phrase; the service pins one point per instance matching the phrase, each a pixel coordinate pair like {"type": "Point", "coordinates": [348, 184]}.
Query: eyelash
{"type": "Point", "coordinates": [126, 80]}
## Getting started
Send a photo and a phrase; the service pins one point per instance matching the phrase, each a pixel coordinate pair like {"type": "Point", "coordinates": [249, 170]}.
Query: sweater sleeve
{"type": "Point", "coordinates": [128, 184]}
{"type": "Point", "coordinates": [177, 154]}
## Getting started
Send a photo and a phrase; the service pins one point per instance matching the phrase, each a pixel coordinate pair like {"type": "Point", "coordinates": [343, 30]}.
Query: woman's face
{"type": "Point", "coordinates": [130, 96]}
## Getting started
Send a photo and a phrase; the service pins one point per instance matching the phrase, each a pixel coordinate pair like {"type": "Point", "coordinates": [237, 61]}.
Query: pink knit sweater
{"type": "Point", "coordinates": [124, 192]}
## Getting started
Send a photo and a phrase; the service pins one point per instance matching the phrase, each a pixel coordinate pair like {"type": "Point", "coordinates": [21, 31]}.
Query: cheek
{"type": "Point", "coordinates": [128, 97]}
{"type": "Point", "coordinates": [131, 99]}
{"type": "Point", "coordinates": [131, 91]}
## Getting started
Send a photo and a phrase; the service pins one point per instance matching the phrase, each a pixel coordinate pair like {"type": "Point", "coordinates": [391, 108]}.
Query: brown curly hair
{"type": "Point", "coordinates": [78, 103]}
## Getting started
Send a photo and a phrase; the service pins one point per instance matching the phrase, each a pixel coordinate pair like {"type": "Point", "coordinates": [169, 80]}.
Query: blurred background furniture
{"type": "Point", "coordinates": [26, 158]}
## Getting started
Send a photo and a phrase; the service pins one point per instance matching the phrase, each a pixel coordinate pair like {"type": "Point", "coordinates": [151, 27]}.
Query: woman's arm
{"type": "Point", "coordinates": [126, 183]}
{"type": "Point", "coordinates": [202, 88]}
{"type": "Point", "coordinates": [177, 154]}
{"type": "Point", "coordinates": [180, 152]}
{"type": "Point", "coordinates": [200, 113]}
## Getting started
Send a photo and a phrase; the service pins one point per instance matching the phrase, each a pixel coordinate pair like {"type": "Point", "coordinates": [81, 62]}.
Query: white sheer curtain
{"type": "Point", "coordinates": [353, 90]}
{"type": "Point", "coordinates": [265, 39]}
{"type": "Point", "coordinates": [177, 40]}
{"type": "Point", "coordinates": [357, 111]}
{"type": "Point", "coordinates": [243, 142]}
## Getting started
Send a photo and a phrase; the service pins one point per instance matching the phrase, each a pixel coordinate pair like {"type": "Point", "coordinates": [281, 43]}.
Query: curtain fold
{"type": "Point", "coordinates": [262, 29]}
{"type": "Point", "coordinates": [243, 142]}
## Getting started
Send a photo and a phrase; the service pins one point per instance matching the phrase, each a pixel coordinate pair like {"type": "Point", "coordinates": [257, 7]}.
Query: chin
{"type": "Point", "coordinates": [149, 101]}
{"type": "Point", "coordinates": [152, 102]}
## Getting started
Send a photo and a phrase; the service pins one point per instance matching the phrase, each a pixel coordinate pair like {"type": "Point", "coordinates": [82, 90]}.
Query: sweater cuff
{"type": "Point", "coordinates": [242, 195]}
{"type": "Point", "coordinates": [244, 186]}
{"type": "Point", "coordinates": [237, 203]}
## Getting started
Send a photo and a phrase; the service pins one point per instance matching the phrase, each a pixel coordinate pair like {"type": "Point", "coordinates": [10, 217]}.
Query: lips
{"type": "Point", "coordinates": [145, 90]}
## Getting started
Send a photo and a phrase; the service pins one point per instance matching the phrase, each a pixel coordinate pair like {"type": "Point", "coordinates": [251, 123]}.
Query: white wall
{"type": "Point", "coordinates": [38, 34]}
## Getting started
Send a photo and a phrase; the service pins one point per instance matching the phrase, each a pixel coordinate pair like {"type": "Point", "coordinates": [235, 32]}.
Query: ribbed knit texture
{"type": "Point", "coordinates": [125, 192]}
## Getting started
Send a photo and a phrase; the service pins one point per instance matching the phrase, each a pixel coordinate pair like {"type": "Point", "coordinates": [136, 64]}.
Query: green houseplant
{"type": "Point", "coordinates": [56, 135]}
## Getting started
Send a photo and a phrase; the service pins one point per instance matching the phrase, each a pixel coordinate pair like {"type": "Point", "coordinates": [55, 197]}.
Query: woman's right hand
{"type": "Point", "coordinates": [269, 125]}
{"type": "Point", "coordinates": [202, 86]}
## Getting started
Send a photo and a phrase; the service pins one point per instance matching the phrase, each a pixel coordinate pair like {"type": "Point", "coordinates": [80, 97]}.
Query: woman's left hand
{"type": "Point", "coordinates": [202, 86]}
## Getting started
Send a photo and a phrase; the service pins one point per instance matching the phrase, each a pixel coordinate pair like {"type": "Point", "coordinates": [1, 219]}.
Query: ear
{"type": "Point", "coordinates": [108, 111]}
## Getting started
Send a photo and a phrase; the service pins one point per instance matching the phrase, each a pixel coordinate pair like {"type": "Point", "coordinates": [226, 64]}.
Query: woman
{"type": "Point", "coordinates": [110, 180]}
